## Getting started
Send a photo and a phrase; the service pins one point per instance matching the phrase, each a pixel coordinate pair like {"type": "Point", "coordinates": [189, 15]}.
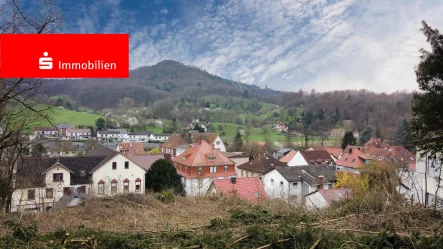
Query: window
{"type": "Point", "coordinates": [126, 186]}
{"type": "Point", "coordinates": [31, 194]}
{"type": "Point", "coordinates": [101, 188]}
{"type": "Point", "coordinates": [213, 169]}
{"type": "Point", "coordinates": [66, 191]}
{"type": "Point", "coordinates": [211, 158]}
{"type": "Point", "coordinates": [114, 165]}
{"type": "Point", "coordinates": [200, 170]}
{"type": "Point", "coordinates": [295, 185]}
{"type": "Point", "coordinates": [281, 184]}
{"type": "Point", "coordinates": [272, 181]}
{"type": "Point", "coordinates": [217, 143]}
{"type": "Point", "coordinates": [49, 193]}
{"type": "Point", "coordinates": [57, 177]}
{"type": "Point", "coordinates": [226, 168]}
{"type": "Point", "coordinates": [113, 187]}
{"type": "Point", "coordinates": [81, 190]}
{"type": "Point", "coordinates": [126, 165]}
{"type": "Point", "coordinates": [137, 186]}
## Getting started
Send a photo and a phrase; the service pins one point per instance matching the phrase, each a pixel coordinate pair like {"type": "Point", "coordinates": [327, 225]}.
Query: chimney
{"type": "Point", "coordinates": [233, 180]}
{"type": "Point", "coordinates": [350, 150]}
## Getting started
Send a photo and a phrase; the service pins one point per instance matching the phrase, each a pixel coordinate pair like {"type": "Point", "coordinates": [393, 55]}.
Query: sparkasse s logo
{"type": "Point", "coordinates": [64, 56]}
{"type": "Point", "coordinates": [45, 62]}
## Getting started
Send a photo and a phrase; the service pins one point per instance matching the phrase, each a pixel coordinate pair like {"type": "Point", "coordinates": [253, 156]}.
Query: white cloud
{"type": "Point", "coordinates": [287, 44]}
{"type": "Point", "coordinates": [164, 11]}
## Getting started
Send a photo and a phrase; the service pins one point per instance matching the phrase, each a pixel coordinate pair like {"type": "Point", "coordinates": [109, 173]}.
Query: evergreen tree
{"type": "Point", "coordinates": [238, 141]}
{"type": "Point", "coordinates": [348, 139]}
{"type": "Point", "coordinates": [69, 106]}
{"type": "Point", "coordinates": [208, 104]}
{"type": "Point", "coordinates": [59, 102]}
{"type": "Point", "coordinates": [162, 176]}
{"type": "Point", "coordinates": [427, 122]}
{"type": "Point", "coordinates": [100, 123]}
{"type": "Point", "coordinates": [321, 114]}
{"type": "Point", "coordinates": [378, 132]}
{"type": "Point", "coordinates": [402, 136]}
{"type": "Point", "coordinates": [38, 150]}
{"type": "Point", "coordinates": [366, 134]}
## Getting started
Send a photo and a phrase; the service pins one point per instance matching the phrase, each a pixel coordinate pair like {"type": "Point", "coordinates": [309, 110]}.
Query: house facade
{"type": "Point", "coordinates": [421, 185]}
{"type": "Point", "coordinates": [311, 157]}
{"type": "Point", "coordinates": [258, 166]}
{"type": "Point", "coordinates": [45, 132]}
{"type": "Point", "coordinates": [41, 183]}
{"type": "Point", "coordinates": [170, 146]}
{"type": "Point", "coordinates": [77, 134]}
{"type": "Point", "coordinates": [294, 183]}
{"type": "Point", "coordinates": [238, 158]}
{"type": "Point", "coordinates": [211, 138]}
{"type": "Point", "coordinates": [200, 165]}
{"type": "Point", "coordinates": [112, 135]}
{"type": "Point", "coordinates": [352, 159]}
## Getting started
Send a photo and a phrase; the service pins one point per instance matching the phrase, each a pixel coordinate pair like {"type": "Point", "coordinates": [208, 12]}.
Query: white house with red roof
{"type": "Point", "coordinates": [200, 165]}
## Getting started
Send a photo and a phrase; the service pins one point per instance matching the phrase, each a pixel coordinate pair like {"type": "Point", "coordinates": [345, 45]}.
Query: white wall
{"type": "Point", "coordinates": [197, 187]}
{"type": "Point", "coordinates": [219, 145]}
{"type": "Point", "coordinates": [298, 160]}
{"type": "Point", "coordinates": [239, 161]}
{"type": "Point", "coordinates": [107, 174]}
{"type": "Point", "coordinates": [58, 169]}
{"type": "Point", "coordinates": [315, 200]}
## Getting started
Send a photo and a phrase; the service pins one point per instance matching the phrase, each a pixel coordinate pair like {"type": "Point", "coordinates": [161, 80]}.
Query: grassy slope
{"type": "Point", "coordinates": [61, 115]}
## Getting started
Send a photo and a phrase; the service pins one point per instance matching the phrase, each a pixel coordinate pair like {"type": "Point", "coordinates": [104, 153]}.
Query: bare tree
{"type": "Point", "coordinates": [18, 109]}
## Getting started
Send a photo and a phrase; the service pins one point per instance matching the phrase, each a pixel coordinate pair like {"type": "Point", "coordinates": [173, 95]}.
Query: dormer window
{"type": "Point", "coordinates": [211, 158]}
{"type": "Point", "coordinates": [82, 172]}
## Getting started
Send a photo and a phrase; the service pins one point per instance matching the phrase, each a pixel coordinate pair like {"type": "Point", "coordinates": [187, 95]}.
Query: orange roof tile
{"type": "Point", "coordinates": [202, 154]}
{"type": "Point", "coordinates": [209, 137]}
{"type": "Point", "coordinates": [288, 157]}
{"type": "Point", "coordinates": [352, 157]}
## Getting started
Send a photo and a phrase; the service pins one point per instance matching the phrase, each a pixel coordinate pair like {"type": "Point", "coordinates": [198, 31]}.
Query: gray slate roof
{"type": "Point", "coordinates": [309, 174]}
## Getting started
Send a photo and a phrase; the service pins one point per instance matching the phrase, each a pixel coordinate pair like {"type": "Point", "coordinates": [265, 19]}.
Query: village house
{"type": "Point", "coordinates": [334, 151]}
{"type": "Point", "coordinates": [323, 198]}
{"type": "Point", "coordinates": [139, 136]}
{"type": "Point", "coordinates": [112, 135]}
{"type": "Point", "coordinates": [45, 132]}
{"type": "Point", "coordinates": [170, 146]}
{"type": "Point", "coordinates": [247, 188]}
{"type": "Point", "coordinates": [311, 157]}
{"type": "Point", "coordinates": [280, 127]}
{"type": "Point", "coordinates": [200, 165]}
{"type": "Point", "coordinates": [42, 182]}
{"type": "Point", "coordinates": [288, 157]}
{"type": "Point", "coordinates": [294, 183]}
{"type": "Point", "coordinates": [421, 184]}
{"type": "Point", "coordinates": [211, 138]}
{"type": "Point", "coordinates": [238, 158]}
{"type": "Point", "coordinates": [131, 148]}
{"type": "Point", "coordinates": [352, 159]}
{"type": "Point", "coordinates": [258, 166]}
{"type": "Point", "coordinates": [77, 134]}
{"type": "Point", "coordinates": [63, 127]}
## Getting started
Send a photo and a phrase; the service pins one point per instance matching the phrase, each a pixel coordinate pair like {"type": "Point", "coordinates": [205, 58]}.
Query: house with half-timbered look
{"type": "Point", "coordinates": [200, 165]}
{"type": "Point", "coordinates": [43, 182]}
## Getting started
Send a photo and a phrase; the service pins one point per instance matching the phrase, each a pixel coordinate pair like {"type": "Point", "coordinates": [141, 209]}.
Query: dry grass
{"type": "Point", "coordinates": [136, 213]}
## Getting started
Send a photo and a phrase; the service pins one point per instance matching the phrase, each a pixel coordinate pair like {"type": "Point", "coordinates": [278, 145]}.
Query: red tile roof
{"type": "Point", "coordinates": [131, 148]}
{"type": "Point", "coordinates": [333, 150]}
{"type": "Point", "coordinates": [202, 154]}
{"type": "Point", "coordinates": [246, 188]}
{"type": "Point", "coordinates": [376, 142]}
{"type": "Point", "coordinates": [352, 157]}
{"type": "Point", "coordinates": [288, 157]}
{"type": "Point", "coordinates": [333, 195]}
{"type": "Point", "coordinates": [317, 156]}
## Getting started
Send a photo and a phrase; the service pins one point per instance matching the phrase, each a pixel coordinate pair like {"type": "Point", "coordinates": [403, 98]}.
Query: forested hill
{"type": "Point", "coordinates": [187, 84]}
{"type": "Point", "coordinates": [149, 84]}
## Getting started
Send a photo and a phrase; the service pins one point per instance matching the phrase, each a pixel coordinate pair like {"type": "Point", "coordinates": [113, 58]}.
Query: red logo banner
{"type": "Point", "coordinates": [64, 56]}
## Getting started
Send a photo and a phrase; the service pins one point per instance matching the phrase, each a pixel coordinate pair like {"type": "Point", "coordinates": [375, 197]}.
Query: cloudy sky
{"type": "Point", "coordinates": [284, 44]}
